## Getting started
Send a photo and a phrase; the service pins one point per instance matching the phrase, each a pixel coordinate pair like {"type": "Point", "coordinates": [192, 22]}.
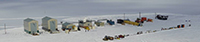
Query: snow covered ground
{"type": "Point", "coordinates": [187, 34]}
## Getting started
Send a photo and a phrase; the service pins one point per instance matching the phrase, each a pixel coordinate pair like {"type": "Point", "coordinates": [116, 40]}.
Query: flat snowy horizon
{"type": "Point", "coordinates": [13, 12]}
{"type": "Point", "coordinates": [15, 33]}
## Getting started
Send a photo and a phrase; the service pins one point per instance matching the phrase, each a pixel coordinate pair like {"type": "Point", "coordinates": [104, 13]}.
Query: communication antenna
{"type": "Point", "coordinates": [140, 18]}
{"type": "Point", "coordinates": [139, 14]}
{"type": "Point", "coordinates": [5, 28]}
{"type": "Point", "coordinates": [45, 12]}
{"type": "Point", "coordinates": [155, 13]}
{"type": "Point", "coordinates": [124, 15]}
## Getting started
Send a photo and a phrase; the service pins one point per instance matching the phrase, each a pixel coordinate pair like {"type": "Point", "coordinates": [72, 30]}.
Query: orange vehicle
{"type": "Point", "coordinates": [144, 18]}
{"type": "Point", "coordinates": [149, 20]}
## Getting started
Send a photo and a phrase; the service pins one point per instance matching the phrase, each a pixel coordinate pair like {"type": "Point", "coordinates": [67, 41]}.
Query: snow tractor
{"type": "Point", "coordinates": [132, 23]}
{"type": "Point", "coordinates": [120, 21]}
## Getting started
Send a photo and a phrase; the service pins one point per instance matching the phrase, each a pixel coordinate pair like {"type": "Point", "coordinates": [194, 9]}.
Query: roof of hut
{"type": "Point", "coordinates": [66, 23]}
{"type": "Point", "coordinates": [28, 20]}
{"type": "Point", "coordinates": [46, 18]}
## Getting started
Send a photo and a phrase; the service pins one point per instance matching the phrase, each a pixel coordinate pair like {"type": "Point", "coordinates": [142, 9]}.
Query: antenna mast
{"type": "Point", "coordinates": [139, 14]}
{"type": "Point", "coordinates": [5, 28]}
{"type": "Point", "coordinates": [155, 13]}
{"type": "Point", "coordinates": [124, 15]}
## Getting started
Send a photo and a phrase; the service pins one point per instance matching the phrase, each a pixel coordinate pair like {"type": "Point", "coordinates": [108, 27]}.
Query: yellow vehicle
{"type": "Point", "coordinates": [130, 22]}
{"type": "Point", "coordinates": [87, 28]}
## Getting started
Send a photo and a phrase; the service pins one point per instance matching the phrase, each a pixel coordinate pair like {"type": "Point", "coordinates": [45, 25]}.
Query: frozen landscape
{"type": "Point", "coordinates": [187, 34]}
{"type": "Point", "coordinates": [13, 13]}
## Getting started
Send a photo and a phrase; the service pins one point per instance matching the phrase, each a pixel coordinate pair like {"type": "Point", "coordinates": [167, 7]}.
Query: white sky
{"type": "Point", "coordinates": [35, 8]}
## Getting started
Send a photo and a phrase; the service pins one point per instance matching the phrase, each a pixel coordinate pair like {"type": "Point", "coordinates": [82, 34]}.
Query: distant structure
{"type": "Point", "coordinates": [69, 27]}
{"type": "Point", "coordinates": [98, 23]}
{"type": "Point", "coordinates": [31, 26]}
{"type": "Point", "coordinates": [161, 17]}
{"type": "Point", "coordinates": [50, 25]}
{"type": "Point", "coordinates": [110, 22]}
{"type": "Point", "coordinates": [86, 23]}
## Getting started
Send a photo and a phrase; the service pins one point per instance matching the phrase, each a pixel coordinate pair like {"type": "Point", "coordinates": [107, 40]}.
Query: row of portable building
{"type": "Point", "coordinates": [50, 24]}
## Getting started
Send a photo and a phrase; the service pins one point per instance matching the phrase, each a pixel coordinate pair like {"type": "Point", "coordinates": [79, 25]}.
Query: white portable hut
{"type": "Point", "coordinates": [99, 23]}
{"type": "Point", "coordinates": [50, 25]}
{"type": "Point", "coordinates": [87, 23]}
{"type": "Point", "coordinates": [31, 26]}
{"type": "Point", "coordinates": [69, 25]}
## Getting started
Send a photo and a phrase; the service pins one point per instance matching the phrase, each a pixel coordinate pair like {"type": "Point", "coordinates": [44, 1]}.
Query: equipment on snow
{"type": "Point", "coordinates": [178, 26]}
{"type": "Point", "coordinates": [155, 31]}
{"type": "Point", "coordinates": [189, 25]}
{"type": "Point", "coordinates": [161, 17]}
{"type": "Point", "coordinates": [144, 18]}
{"type": "Point", "coordinates": [149, 20]}
{"type": "Point", "coordinates": [148, 31]}
{"type": "Point", "coordinates": [120, 21]}
{"type": "Point", "coordinates": [110, 22]}
{"type": "Point", "coordinates": [79, 29]}
{"type": "Point", "coordinates": [140, 32]}
{"type": "Point", "coordinates": [182, 26]}
{"type": "Point", "coordinates": [106, 38]}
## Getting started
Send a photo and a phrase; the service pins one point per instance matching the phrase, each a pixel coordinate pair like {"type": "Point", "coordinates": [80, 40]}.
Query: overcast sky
{"type": "Point", "coordinates": [38, 8]}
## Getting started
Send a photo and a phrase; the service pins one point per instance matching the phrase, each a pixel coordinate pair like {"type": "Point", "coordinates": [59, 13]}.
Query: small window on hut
{"type": "Point", "coordinates": [53, 22]}
{"type": "Point", "coordinates": [34, 24]}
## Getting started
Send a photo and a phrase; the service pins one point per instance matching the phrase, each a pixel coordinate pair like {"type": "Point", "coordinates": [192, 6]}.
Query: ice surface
{"type": "Point", "coordinates": [187, 34]}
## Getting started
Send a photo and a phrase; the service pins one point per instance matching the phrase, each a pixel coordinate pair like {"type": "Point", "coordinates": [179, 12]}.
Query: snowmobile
{"type": "Point", "coordinates": [139, 32]}
{"type": "Point", "coordinates": [171, 28]}
{"type": "Point", "coordinates": [178, 26]}
{"type": "Point", "coordinates": [121, 36]}
{"type": "Point", "coordinates": [155, 31]}
{"type": "Point", "coordinates": [182, 26]}
{"type": "Point", "coordinates": [106, 38]}
{"type": "Point", "coordinates": [148, 31]}
{"type": "Point", "coordinates": [189, 25]}
{"type": "Point", "coordinates": [116, 37]}
{"type": "Point", "coordinates": [35, 34]}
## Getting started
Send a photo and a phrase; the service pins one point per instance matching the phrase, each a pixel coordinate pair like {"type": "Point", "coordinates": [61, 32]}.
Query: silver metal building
{"type": "Point", "coordinates": [50, 25]}
{"type": "Point", "coordinates": [31, 26]}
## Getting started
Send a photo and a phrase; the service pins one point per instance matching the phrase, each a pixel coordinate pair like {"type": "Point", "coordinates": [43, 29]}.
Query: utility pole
{"type": "Point", "coordinates": [5, 28]}
{"type": "Point", "coordinates": [45, 12]}
{"type": "Point", "coordinates": [140, 18]}
{"type": "Point", "coordinates": [139, 14]}
{"type": "Point", "coordinates": [155, 13]}
{"type": "Point", "coordinates": [124, 16]}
